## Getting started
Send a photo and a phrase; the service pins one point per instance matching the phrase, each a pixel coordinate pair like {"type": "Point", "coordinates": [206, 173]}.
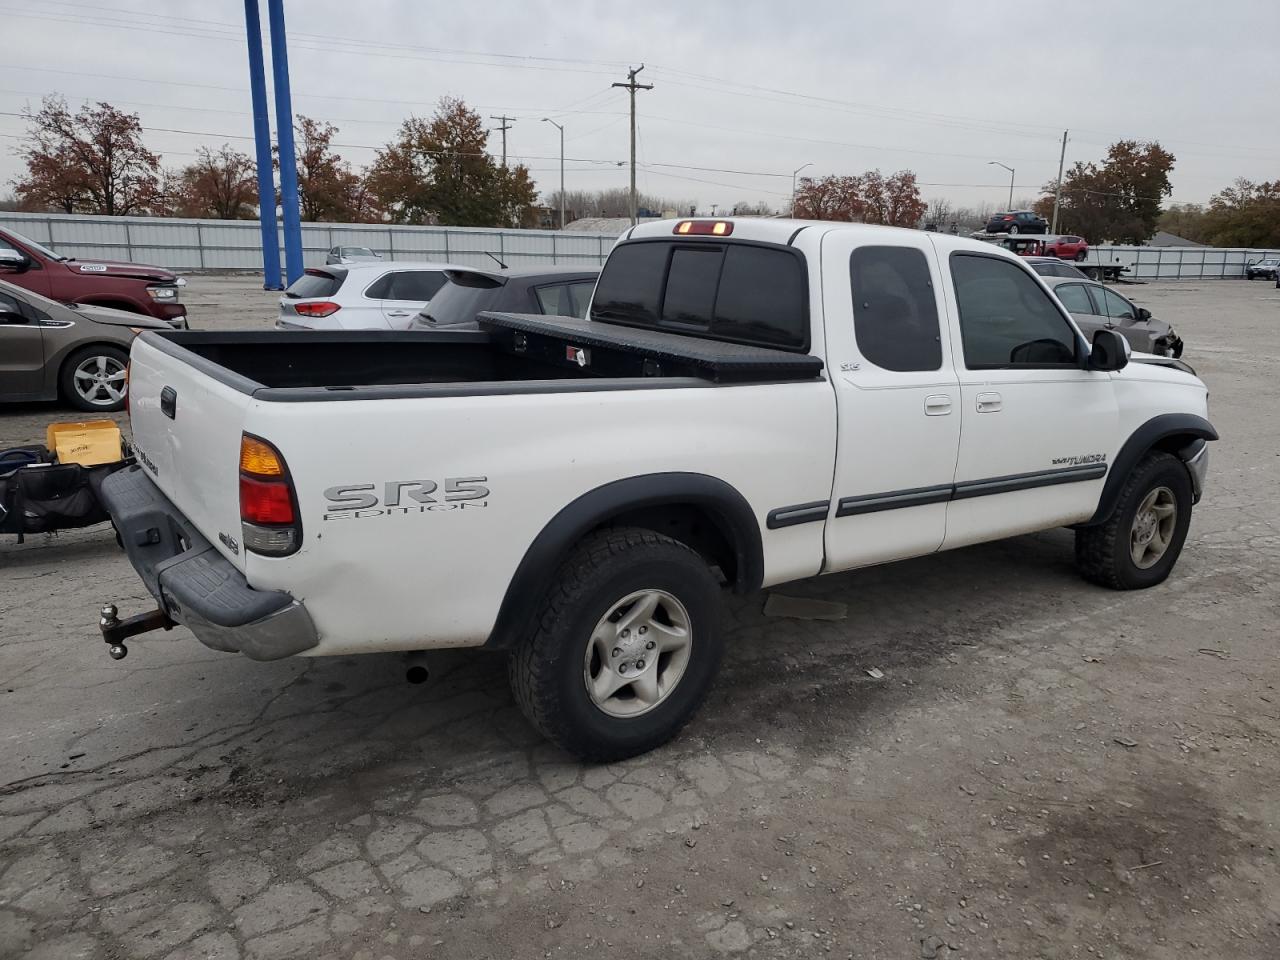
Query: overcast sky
{"type": "Point", "coordinates": [744, 91]}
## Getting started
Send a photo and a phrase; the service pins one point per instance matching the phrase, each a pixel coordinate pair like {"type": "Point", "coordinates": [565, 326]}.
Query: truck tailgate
{"type": "Point", "coordinates": [186, 429]}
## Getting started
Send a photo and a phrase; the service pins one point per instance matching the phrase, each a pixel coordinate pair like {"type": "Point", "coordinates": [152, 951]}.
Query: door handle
{"type": "Point", "coordinates": [399, 313]}
{"type": "Point", "coordinates": [990, 403]}
{"type": "Point", "coordinates": [937, 405]}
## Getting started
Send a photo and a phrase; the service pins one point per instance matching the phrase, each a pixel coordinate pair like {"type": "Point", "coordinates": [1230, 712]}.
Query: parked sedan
{"type": "Point", "coordinates": [1017, 221]}
{"type": "Point", "coordinates": [1096, 307]}
{"type": "Point", "coordinates": [75, 352]}
{"type": "Point", "coordinates": [555, 292]}
{"type": "Point", "coordinates": [362, 296]}
{"type": "Point", "coordinates": [343, 255]}
{"type": "Point", "coordinates": [1265, 269]}
{"type": "Point", "coordinates": [1067, 247]}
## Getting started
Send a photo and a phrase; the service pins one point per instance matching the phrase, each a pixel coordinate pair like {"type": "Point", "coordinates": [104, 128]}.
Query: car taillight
{"type": "Point", "coordinates": [1006, 218]}
{"type": "Point", "coordinates": [322, 308]}
{"type": "Point", "coordinates": [269, 521]}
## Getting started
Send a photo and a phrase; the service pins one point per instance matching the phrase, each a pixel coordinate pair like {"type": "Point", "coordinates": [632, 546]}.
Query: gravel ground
{"type": "Point", "coordinates": [1046, 769]}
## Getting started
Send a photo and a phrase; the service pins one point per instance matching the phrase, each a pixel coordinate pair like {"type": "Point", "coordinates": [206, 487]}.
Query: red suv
{"type": "Point", "coordinates": [135, 287]}
{"type": "Point", "coordinates": [1067, 248]}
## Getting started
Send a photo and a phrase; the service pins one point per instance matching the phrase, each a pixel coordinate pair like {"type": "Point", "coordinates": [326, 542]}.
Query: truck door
{"type": "Point", "coordinates": [897, 399]}
{"type": "Point", "coordinates": [1037, 426]}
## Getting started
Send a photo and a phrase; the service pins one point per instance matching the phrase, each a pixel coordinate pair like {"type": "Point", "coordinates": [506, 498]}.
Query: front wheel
{"type": "Point", "coordinates": [1140, 542]}
{"type": "Point", "coordinates": [94, 378]}
{"type": "Point", "coordinates": [625, 649]}
{"type": "Point", "coordinates": [1013, 228]}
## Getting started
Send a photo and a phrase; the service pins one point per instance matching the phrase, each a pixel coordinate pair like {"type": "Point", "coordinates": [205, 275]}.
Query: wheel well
{"type": "Point", "coordinates": [692, 524]}
{"type": "Point", "coordinates": [1175, 443]}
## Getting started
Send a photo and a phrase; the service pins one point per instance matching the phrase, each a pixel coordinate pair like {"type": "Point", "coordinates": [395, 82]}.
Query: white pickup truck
{"type": "Point", "coordinates": [750, 402]}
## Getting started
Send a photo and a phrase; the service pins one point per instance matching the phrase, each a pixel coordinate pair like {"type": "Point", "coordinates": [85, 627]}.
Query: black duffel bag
{"type": "Point", "coordinates": [42, 499]}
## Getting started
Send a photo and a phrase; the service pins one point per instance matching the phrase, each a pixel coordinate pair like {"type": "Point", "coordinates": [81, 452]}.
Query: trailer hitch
{"type": "Point", "coordinates": [115, 631]}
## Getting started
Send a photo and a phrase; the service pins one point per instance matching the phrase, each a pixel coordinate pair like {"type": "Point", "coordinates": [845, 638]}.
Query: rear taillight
{"type": "Point", "coordinates": [322, 308]}
{"type": "Point", "coordinates": [269, 520]}
{"type": "Point", "coordinates": [1006, 218]}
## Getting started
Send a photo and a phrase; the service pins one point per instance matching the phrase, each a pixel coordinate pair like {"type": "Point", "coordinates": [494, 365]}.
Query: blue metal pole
{"type": "Point", "coordinates": [284, 138]}
{"type": "Point", "coordinates": [262, 140]}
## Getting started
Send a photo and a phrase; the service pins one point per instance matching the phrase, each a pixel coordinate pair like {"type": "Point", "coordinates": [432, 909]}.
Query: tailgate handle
{"type": "Point", "coordinates": [169, 402]}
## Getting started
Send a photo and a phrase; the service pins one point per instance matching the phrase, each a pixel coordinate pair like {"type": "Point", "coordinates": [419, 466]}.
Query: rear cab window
{"type": "Point", "coordinates": [734, 291]}
{"type": "Point", "coordinates": [315, 283]}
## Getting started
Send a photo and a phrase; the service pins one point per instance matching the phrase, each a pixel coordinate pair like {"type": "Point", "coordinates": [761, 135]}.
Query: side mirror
{"type": "Point", "coordinates": [377, 254]}
{"type": "Point", "coordinates": [1110, 351]}
{"type": "Point", "coordinates": [1144, 313]}
{"type": "Point", "coordinates": [11, 259]}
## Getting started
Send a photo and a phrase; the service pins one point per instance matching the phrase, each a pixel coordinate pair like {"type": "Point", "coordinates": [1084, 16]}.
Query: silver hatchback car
{"type": "Point", "coordinates": [343, 255]}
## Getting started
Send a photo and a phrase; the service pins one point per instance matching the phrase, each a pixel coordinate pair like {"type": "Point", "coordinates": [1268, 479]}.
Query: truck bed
{"type": "Point", "coordinates": [510, 353]}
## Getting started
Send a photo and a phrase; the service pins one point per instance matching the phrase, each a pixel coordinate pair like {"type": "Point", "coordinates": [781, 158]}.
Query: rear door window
{"type": "Point", "coordinates": [416, 285]}
{"type": "Point", "coordinates": [554, 300]}
{"type": "Point", "coordinates": [1074, 297]}
{"type": "Point", "coordinates": [314, 283]}
{"type": "Point", "coordinates": [895, 312]}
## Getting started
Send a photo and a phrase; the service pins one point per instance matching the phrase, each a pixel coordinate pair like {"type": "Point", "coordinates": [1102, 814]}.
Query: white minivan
{"type": "Point", "coordinates": [360, 296]}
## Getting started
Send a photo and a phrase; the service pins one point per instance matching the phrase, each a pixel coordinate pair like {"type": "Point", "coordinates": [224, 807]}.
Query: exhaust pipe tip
{"type": "Point", "coordinates": [417, 674]}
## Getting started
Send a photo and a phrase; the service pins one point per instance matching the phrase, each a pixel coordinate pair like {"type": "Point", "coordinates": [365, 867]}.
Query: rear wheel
{"type": "Point", "coordinates": [1013, 228]}
{"type": "Point", "coordinates": [1140, 542]}
{"type": "Point", "coordinates": [93, 378]}
{"type": "Point", "coordinates": [625, 649]}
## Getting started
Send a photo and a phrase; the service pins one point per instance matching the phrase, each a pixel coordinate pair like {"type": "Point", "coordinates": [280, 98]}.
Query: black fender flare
{"type": "Point", "coordinates": [537, 570]}
{"type": "Point", "coordinates": [1184, 428]}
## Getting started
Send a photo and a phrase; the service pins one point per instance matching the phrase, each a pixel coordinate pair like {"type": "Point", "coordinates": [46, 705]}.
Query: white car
{"type": "Point", "coordinates": [345, 255]}
{"type": "Point", "coordinates": [360, 296]}
{"type": "Point", "coordinates": [750, 402]}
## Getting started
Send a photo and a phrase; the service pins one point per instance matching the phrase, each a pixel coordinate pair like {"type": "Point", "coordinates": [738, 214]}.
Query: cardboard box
{"type": "Point", "coordinates": [86, 442]}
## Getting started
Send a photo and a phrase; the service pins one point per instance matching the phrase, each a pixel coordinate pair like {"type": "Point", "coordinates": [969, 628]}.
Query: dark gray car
{"type": "Point", "coordinates": [1096, 307]}
{"type": "Point", "coordinates": [78, 353]}
{"type": "Point", "coordinates": [555, 292]}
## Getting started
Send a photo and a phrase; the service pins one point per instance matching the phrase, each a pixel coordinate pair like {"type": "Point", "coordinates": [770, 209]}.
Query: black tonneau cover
{"type": "Point", "coordinates": [712, 359]}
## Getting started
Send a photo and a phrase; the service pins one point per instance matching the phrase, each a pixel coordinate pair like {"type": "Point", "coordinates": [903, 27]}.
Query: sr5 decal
{"type": "Point", "coordinates": [395, 497]}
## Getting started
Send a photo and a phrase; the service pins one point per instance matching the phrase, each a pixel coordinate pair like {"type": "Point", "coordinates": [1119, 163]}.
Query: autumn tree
{"type": "Point", "coordinates": [866, 198]}
{"type": "Point", "coordinates": [90, 161]}
{"type": "Point", "coordinates": [221, 184]}
{"type": "Point", "coordinates": [1117, 200]}
{"type": "Point", "coordinates": [438, 170]}
{"type": "Point", "coordinates": [328, 189]}
{"type": "Point", "coordinates": [1245, 214]}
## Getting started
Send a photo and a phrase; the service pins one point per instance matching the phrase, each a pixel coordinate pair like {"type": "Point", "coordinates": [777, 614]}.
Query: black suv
{"type": "Point", "coordinates": [1017, 221]}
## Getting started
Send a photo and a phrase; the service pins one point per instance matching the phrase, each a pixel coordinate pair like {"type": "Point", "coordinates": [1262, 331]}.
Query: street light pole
{"type": "Point", "coordinates": [793, 185]}
{"type": "Point", "coordinates": [559, 127]}
{"type": "Point", "coordinates": [1011, 175]}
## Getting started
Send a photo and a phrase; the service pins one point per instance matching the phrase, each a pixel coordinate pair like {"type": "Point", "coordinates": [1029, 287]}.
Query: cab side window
{"type": "Point", "coordinates": [1006, 318]}
{"type": "Point", "coordinates": [895, 313]}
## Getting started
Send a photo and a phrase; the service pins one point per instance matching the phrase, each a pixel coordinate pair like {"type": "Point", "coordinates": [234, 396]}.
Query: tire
{"type": "Point", "coordinates": [1013, 228]}
{"type": "Point", "coordinates": [550, 671]}
{"type": "Point", "coordinates": [1081, 256]}
{"type": "Point", "coordinates": [1105, 553]}
{"type": "Point", "coordinates": [80, 391]}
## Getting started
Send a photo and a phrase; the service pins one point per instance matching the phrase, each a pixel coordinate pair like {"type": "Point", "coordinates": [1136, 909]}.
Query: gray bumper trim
{"type": "Point", "coordinates": [1197, 461]}
{"type": "Point", "coordinates": [196, 585]}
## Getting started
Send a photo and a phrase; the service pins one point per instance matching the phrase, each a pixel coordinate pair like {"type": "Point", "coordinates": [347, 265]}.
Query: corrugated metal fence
{"type": "Point", "coordinates": [234, 245]}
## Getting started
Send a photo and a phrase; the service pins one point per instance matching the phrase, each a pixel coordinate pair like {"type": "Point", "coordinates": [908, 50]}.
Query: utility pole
{"type": "Point", "coordinates": [506, 125]}
{"type": "Point", "coordinates": [559, 127]}
{"type": "Point", "coordinates": [1057, 189]}
{"type": "Point", "coordinates": [632, 86]}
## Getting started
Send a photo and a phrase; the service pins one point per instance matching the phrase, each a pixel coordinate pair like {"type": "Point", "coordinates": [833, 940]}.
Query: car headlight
{"type": "Point", "coordinates": [163, 293]}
